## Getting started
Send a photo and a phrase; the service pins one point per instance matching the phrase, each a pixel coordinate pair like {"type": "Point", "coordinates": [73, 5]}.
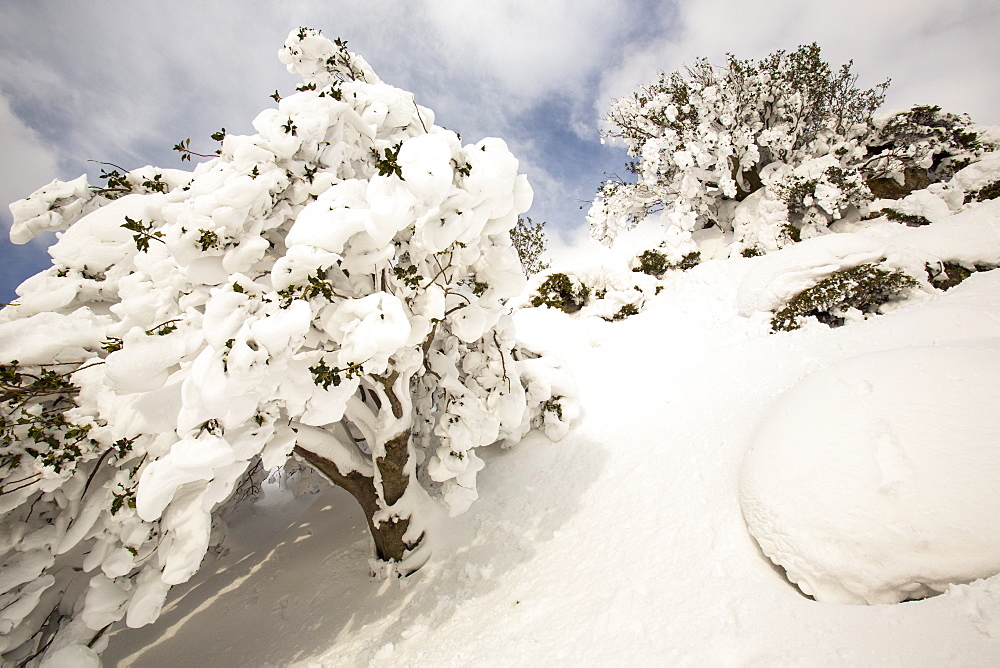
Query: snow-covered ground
{"type": "Point", "coordinates": [625, 543]}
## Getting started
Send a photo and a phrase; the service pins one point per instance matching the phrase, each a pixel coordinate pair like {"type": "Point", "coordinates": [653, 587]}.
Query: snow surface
{"type": "Point", "coordinates": [860, 499]}
{"type": "Point", "coordinates": [625, 543]}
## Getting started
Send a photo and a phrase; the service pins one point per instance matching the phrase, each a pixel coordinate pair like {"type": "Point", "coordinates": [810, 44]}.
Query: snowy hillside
{"type": "Point", "coordinates": [625, 543]}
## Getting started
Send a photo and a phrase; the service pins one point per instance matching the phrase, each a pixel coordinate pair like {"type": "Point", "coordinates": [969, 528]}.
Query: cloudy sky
{"type": "Point", "coordinates": [123, 81]}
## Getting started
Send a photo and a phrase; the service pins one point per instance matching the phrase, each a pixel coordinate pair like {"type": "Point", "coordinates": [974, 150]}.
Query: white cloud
{"type": "Point", "coordinates": [27, 162]}
{"type": "Point", "coordinates": [935, 51]}
{"type": "Point", "coordinates": [532, 48]}
{"type": "Point", "coordinates": [108, 84]}
{"type": "Point", "coordinates": [114, 82]}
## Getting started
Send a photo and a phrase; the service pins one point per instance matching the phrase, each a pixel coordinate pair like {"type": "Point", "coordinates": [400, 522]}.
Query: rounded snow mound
{"type": "Point", "coordinates": [875, 480]}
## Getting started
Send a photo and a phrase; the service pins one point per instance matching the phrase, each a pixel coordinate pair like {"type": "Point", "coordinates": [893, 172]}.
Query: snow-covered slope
{"type": "Point", "coordinates": [624, 544]}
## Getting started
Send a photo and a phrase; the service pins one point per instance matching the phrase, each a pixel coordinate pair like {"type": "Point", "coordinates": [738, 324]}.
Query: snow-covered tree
{"type": "Point", "coordinates": [787, 131]}
{"type": "Point", "coordinates": [530, 242]}
{"type": "Point", "coordinates": [331, 288]}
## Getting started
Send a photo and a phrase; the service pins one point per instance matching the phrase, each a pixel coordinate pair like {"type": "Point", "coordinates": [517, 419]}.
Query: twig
{"type": "Point", "coordinates": [109, 164]}
{"type": "Point", "coordinates": [93, 473]}
{"type": "Point", "coordinates": [31, 480]}
{"type": "Point", "coordinates": [417, 107]}
{"type": "Point", "coordinates": [503, 364]}
{"type": "Point", "coordinates": [442, 270]}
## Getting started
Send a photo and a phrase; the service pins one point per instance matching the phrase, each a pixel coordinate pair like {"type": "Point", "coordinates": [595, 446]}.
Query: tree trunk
{"type": "Point", "coordinates": [750, 178]}
{"type": "Point", "coordinates": [388, 536]}
{"type": "Point", "coordinates": [914, 178]}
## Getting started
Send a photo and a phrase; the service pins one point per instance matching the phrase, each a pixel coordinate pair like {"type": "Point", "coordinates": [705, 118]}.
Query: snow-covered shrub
{"type": "Point", "coordinates": [611, 290]}
{"type": "Point", "coordinates": [976, 182]}
{"type": "Point", "coordinates": [912, 149]}
{"type": "Point", "coordinates": [817, 193]}
{"type": "Point", "coordinates": [655, 263]}
{"type": "Point", "coordinates": [860, 290]}
{"type": "Point", "coordinates": [761, 225]}
{"type": "Point", "coordinates": [332, 287]}
{"type": "Point", "coordinates": [625, 311]}
{"type": "Point", "coordinates": [946, 275]}
{"type": "Point", "coordinates": [967, 237]}
{"type": "Point", "coordinates": [707, 138]}
{"type": "Point", "coordinates": [911, 220]}
{"type": "Point", "coordinates": [652, 262]}
{"type": "Point", "coordinates": [921, 207]}
{"type": "Point", "coordinates": [550, 393]}
{"type": "Point", "coordinates": [989, 191]}
{"type": "Point", "coordinates": [563, 292]}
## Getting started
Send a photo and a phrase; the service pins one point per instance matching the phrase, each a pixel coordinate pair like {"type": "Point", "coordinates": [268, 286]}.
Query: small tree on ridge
{"type": "Point", "coordinates": [707, 138]}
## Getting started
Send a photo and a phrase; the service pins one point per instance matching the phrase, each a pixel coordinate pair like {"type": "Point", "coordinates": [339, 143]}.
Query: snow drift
{"type": "Point", "coordinates": [875, 479]}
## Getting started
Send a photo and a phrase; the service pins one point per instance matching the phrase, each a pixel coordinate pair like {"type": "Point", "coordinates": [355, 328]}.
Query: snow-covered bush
{"type": "Point", "coordinates": [332, 287]}
{"type": "Point", "coordinates": [816, 193]}
{"type": "Point", "coordinates": [706, 139]}
{"type": "Point", "coordinates": [989, 191]}
{"type": "Point", "coordinates": [974, 183]}
{"type": "Point", "coordinates": [625, 311]}
{"type": "Point", "coordinates": [652, 262]}
{"type": "Point", "coordinates": [912, 220]}
{"type": "Point", "coordinates": [967, 238]}
{"type": "Point", "coordinates": [563, 292]}
{"type": "Point", "coordinates": [945, 275]}
{"type": "Point", "coordinates": [860, 291]}
{"type": "Point", "coordinates": [612, 290]}
{"type": "Point", "coordinates": [923, 145]}
{"type": "Point", "coordinates": [655, 263]}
